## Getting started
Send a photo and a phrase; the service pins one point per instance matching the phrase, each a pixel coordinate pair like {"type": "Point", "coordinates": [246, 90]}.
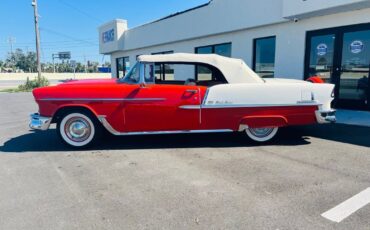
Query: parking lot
{"type": "Point", "coordinates": [199, 181]}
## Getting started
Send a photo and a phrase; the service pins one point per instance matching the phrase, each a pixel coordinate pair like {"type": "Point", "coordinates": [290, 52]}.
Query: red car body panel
{"type": "Point", "coordinates": [135, 108]}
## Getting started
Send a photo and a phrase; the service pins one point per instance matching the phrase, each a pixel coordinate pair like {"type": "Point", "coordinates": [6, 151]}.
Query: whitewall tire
{"type": "Point", "coordinates": [77, 129]}
{"type": "Point", "coordinates": [262, 134]}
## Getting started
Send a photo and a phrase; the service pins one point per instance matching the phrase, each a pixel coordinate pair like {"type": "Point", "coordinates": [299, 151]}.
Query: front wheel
{"type": "Point", "coordinates": [77, 130]}
{"type": "Point", "coordinates": [262, 134]}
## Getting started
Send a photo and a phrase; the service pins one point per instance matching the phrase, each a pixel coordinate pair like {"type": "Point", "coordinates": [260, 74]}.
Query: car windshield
{"type": "Point", "coordinates": [133, 76]}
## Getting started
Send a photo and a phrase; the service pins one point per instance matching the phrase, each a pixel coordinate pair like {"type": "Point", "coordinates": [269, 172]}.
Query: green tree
{"type": "Point", "coordinates": [80, 68]}
{"type": "Point", "coordinates": [22, 61]}
{"type": "Point", "coordinates": [92, 67]}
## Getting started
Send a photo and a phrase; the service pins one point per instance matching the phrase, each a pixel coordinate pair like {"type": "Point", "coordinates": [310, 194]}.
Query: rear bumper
{"type": "Point", "coordinates": [324, 117]}
{"type": "Point", "coordinates": [39, 122]}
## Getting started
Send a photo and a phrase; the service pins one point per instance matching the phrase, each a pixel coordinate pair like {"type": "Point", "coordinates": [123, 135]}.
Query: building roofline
{"type": "Point", "coordinates": [117, 20]}
{"type": "Point", "coordinates": [182, 12]}
{"type": "Point", "coordinates": [174, 15]}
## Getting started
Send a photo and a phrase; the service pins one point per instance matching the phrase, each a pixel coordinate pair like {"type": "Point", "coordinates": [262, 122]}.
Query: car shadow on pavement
{"type": "Point", "coordinates": [350, 134]}
{"type": "Point", "coordinates": [292, 136]}
{"type": "Point", "coordinates": [45, 141]}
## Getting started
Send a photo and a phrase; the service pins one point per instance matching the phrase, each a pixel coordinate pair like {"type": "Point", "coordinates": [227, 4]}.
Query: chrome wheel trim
{"type": "Point", "coordinates": [77, 129]}
{"type": "Point", "coordinates": [262, 134]}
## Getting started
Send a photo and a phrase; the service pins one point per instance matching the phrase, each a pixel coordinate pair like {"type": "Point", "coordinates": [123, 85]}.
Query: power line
{"type": "Point", "coordinates": [66, 36]}
{"type": "Point", "coordinates": [51, 42]}
{"type": "Point", "coordinates": [80, 11]}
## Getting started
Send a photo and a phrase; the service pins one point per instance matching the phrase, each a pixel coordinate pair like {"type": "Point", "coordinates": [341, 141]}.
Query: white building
{"type": "Point", "coordinates": [277, 38]}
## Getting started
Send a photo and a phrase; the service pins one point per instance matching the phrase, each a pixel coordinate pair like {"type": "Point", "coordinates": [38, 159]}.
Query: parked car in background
{"type": "Point", "coordinates": [181, 93]}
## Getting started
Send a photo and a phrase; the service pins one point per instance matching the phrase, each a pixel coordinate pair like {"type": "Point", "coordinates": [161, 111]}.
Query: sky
{"type": "Point", "coordinates": [71, 25]}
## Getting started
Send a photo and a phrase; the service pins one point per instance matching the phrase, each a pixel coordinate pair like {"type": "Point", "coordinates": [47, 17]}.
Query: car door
{"type": "Point", "coordinates": [156, 108]}
{"type": "Point", "coordinates": [151, 107]}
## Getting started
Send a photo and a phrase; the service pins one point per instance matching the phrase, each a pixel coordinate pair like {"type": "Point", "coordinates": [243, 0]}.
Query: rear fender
{"type": "Point", "coordinates": [263, 121]}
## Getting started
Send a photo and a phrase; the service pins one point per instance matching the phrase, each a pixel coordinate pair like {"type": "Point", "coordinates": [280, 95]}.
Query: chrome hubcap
{"type": "Point", "coordinates": [77, 129]}
{"type": "Point", "coordinates": [261, 132]}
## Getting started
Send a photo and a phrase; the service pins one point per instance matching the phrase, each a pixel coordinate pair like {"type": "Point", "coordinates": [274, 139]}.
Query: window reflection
{"type": "Point", "coordinates": [321, 57]}
{"type": "Point", "coordinates": [264, 57]}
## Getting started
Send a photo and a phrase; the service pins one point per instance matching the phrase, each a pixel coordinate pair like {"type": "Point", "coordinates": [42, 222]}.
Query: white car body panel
{"type": "Point", "coordinates": [270, 94]}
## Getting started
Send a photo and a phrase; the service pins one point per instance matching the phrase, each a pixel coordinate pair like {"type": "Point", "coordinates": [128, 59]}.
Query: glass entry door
{"type": "Point", "coordinates": [341, 56]}
{"type": "Point", "coordinates": [322, 56]}
{"type": "Point", "coordinates": [355, 63]}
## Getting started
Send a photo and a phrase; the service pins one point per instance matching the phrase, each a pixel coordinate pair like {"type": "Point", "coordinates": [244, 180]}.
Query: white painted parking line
{"type": "Point", "coordinates": [345, 209]}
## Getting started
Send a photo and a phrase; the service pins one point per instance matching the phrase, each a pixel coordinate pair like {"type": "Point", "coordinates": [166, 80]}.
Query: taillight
{"type": "Point", "coordinates": [315, 79]}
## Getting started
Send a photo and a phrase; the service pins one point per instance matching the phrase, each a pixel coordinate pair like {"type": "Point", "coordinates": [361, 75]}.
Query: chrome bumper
{"type": "Point", "coordinates": [324, 117]}
{"type": "Point", "coordinates": [38, 122]}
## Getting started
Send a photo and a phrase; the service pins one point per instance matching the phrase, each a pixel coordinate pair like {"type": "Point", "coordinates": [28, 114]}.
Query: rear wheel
{"type": "Point", "coordinates": [78, 129]}
{"type": "Point", "coordinates": [262, 134]}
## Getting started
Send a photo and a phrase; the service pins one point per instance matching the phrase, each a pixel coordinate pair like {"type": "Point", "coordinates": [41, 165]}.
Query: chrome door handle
{"type": "Point", "coordinates": [191, 91]}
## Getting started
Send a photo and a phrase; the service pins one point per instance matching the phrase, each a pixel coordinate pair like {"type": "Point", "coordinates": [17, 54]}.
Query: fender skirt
{"type": "Point", "coordinates": [264, 121]}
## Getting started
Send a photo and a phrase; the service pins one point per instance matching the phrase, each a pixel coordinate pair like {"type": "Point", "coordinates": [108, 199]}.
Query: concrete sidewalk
{"type": "Point", "coordinates": [353, 117]}
{"type": "Point", "coordinates": [13, 80]}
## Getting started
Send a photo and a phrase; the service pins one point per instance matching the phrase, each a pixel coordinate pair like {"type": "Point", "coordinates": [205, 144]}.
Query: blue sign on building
{"type": "Point", "coordinates": [104, 70]}
{"type": "Point", "coordinates": [108, 36]}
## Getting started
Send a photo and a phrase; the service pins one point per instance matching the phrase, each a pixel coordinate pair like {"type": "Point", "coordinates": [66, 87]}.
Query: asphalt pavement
{"type": "Point", "coordinates": [198, 181]}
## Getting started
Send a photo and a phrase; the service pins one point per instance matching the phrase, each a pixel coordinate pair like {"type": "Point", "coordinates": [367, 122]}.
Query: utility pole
{"type": "Point", "coordinates": [11, 40]}
{"type": "Point", "coordinates": [85, 64]}
{"type": "Point", "coordinates": [34, 4]}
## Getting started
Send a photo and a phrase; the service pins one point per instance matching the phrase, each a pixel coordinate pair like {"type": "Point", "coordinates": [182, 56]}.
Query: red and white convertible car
{"type": "Point", "coordinates": [181, 93]}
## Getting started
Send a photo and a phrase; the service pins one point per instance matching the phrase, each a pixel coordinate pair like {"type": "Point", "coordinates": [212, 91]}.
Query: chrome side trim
{"type": "Point", "coordinates": [190, 107]}
{"type": "Point", "coordinates": [243, 127]}
{"type": "Point", "coordinates": [106, 124]}
{"type": "Point", "coordinates": [307, 102]}
{"type": "Point", "coordinates": [206, 96]}
{"type": "Point", "coordinates": [103, 99]}
{"type": "Point", "coordinates": [254, 105]}
{"type": "Point", "coordinates": [38, 122]}
{"type": "Point", "coordinates": [223, 106]}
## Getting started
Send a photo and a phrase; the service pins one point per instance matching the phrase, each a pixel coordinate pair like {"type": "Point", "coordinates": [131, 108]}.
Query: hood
{"type": "Point", "coordinates": [73, 88]}
{"type": "Point", "coordinates": [90, 82]}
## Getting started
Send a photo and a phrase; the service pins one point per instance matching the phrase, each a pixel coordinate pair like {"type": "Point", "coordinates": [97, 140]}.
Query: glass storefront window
{"type": "Point", "coordinates": [123, 66]}
{"type": "Point", "coordinates": [264, 57]}
{"type": "Point", "coordinates": [204, 50]}
{"type": "Point", "coordinates": [223, 50]}
{"type": "Point", "coordinates": [220, 49]}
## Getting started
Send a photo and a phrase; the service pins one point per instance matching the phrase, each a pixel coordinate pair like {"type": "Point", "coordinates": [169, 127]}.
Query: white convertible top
{"type": "Point", "coordinates": [234, 70]}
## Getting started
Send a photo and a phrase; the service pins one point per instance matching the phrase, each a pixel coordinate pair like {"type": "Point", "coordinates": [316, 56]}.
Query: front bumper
{"type": "Point", "coordinates": [324, 117]}
{"type": "Point", "coordinates": [39, 122]}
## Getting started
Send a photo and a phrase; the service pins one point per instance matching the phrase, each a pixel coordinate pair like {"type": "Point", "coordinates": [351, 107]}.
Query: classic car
{"type": "Point", "coordinates": [181, 93]}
